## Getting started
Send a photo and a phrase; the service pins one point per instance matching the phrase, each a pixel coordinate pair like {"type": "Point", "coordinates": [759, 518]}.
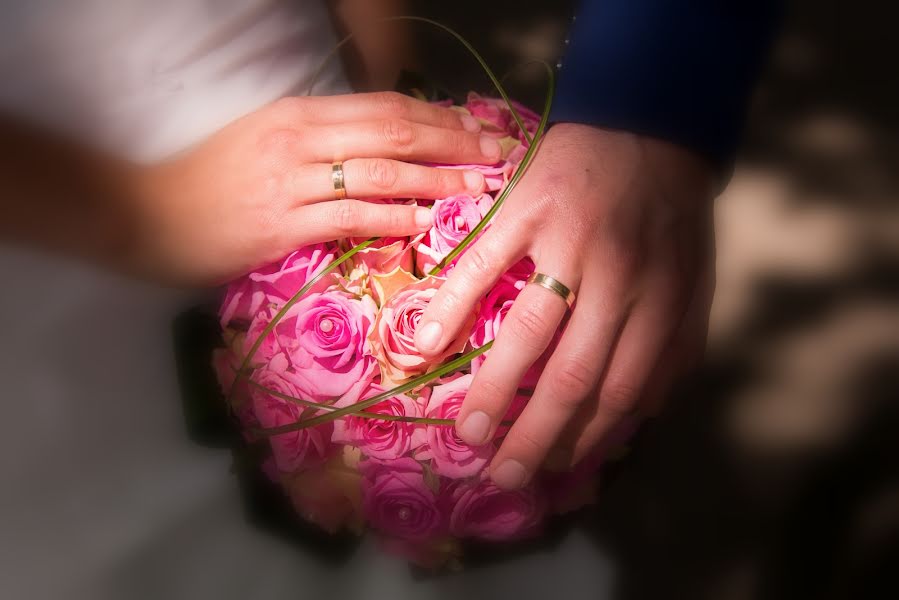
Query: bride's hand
{"type": "Point", "coordinates": [262, 187]}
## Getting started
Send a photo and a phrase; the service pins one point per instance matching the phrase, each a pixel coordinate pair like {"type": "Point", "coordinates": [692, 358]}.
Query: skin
{"type": "Point", "coordinates": [624, 221]}
{"type": "Point", "coordinates": [249, 194]}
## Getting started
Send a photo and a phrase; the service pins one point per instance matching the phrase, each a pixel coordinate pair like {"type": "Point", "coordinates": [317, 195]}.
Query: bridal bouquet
{"type": "Point", "coordinates": [320, 366]}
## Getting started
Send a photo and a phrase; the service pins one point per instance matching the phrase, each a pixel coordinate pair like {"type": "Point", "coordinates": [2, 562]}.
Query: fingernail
{"type": "Point", "coordinates": [510, 475]}
{"type": "Point", "coordinates": [423, 217]}
{"type": "Point", "coordinates": [490, 147]}
{"type": "Point", "coordinates": [475, 428]}
{"type": "Point", "coordinates": [470, 123]}
{"type": "Point", "coordinates": [473, 181]}
{"type": "Point", "coordinates": [427, 338]}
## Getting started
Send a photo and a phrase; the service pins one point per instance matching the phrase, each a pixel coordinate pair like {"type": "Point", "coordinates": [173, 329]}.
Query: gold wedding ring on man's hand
{"type": "Point", "coordinates": [553, 285]}
{"type": "Point", "coordinates": [338, 181]}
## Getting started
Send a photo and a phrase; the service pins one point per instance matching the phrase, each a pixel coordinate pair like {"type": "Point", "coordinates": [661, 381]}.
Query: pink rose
{"type": "Point", "coordinates": [293, 450]}
{"type": "Point", "coordinates": [397, 501]}
{"type": "Point", "coordinates": [495, 176]}
{"type": "Point", "coordinates": [454, 218]}
{"type": "Point", "coordinates": [495, 113]}
{"type": "Point", "coordinates": [483, 511]}
{"type": "Point", "coordinates": [325, 335]}
{"type": "Point", "coordinates": [275, 283]}
{"type": "Point", "coordinates": [382, 256]}
{"type": "Point", "coordinates": [393, 336]}
{"type": "Point", "coordinates": [381, 439]}
{"type": "Point", "coordinates": [270, 345]}
{"type": "Point", "coordinates": [449, 455]}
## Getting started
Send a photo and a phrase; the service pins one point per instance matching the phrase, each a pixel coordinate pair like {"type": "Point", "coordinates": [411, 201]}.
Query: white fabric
{"type": "Point", "coordinates": [102, 495]}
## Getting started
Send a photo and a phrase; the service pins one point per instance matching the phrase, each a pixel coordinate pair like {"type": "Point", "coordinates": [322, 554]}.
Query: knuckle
{"type": "Point", "coordinates": [530, 443]}
{"type": "Point", "coordinates": [288, 106]}
{"type": "Point", "coordinates": [477, 264]}
{"type": "Point", "coordinates": [383, 174]}
{"type": "Point", "coordinates": [619, 398]}
{"type": "Point", "coordinates": [345, 217]}
{"type": "Point", "coordinates": [574, 381]}
{"type": "Point", "coordinates": [393, 104]}
{"type": "Point", "coordinates": [397, 133]}
{"type": "Point", "coordinates": [528, 327]}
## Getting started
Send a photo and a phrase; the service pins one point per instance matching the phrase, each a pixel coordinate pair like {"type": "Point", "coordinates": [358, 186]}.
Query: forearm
{"type": "Point", "coordinates": [58, 195]}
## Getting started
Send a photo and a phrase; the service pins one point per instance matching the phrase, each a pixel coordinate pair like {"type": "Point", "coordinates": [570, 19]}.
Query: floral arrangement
{"type": "Point", "coordinates": [320, 367]}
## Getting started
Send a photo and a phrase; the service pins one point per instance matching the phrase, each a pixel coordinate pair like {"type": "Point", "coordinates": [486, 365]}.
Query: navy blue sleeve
{"type": "Point", "coordinates": [681, 71]}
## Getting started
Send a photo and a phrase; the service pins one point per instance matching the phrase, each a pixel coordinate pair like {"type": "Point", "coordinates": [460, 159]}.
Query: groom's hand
{"type": "Point", "coordinates": [625, 222]}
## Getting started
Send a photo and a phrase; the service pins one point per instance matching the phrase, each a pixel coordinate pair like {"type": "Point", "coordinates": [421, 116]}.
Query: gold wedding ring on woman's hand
{"type": "Point", "coordinates": [338, 181]}
{"type": "Point", "coordinates": [553, 285]}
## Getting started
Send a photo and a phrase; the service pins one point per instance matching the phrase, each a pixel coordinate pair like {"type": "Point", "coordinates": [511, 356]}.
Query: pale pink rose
{"type": "Point", "coordinates": [382, 256]}
{"type": "Point", "coordinates": [449, 455]}
{"type": "Point", "coordinates": [393, 336]}
{"type": "Point", "coordinates": [454, 218]}
{"type": "Point", "coordinates": [292, 450]}
{"type": "Point", "coordinates": [275, 283]}
{"type": "Point", "coordinates": [495, 113]}
{"type": "Point", "coordinates": [495, 176]}
{"type": "Point", "coordinates": [483, 511]}
{"type": "Point", "coordinates": [381, 439]}
{"type": "Point", "coordinates": [397, 501]}
{"type": "Point", "coordinates": [325, 336]}
{"type": "Point", "coordinates": [270, 345]}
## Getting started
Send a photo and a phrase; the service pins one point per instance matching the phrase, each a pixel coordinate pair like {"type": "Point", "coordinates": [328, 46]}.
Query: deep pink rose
{"type": "Point", "coordinates": [454, 218]}
{"type": "Point", "coordinates": [393, 336]}
{"type": "Point", "coordinates": [449, 455]}
{"type": "Point", "coordinates": [325, 336]}
{"type": "Point", "coordinates": [275, 283]}
{"type": "Point", "coordinates": [293, 450]}
{"type": "Point", "coordinates": [382, 439]}
{"type": "Point", "coordinates": [483, 511]}
{"type": "Point", "coordinates": [397, 501]}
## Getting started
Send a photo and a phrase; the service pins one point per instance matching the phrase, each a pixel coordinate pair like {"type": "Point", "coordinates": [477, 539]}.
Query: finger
{"type": "Point", "coordinates": [398, 139]}
{"type": "Point", "coordinates": [374, 106]}
{"type": "Point", "coordinates": [345, 218]}
{"type": "Point", "coordinates": [686, 348]}
{"type": "Point", "coordinates": [524, 334]}
{"type": "Point", "coordinates": [644, 337]}
{"type": "Point", "coordinates": [570, 377]}
{"type": "Point", "coordinates": [474, 275]}
{"type": "Point", "coordinates": [383, 178]}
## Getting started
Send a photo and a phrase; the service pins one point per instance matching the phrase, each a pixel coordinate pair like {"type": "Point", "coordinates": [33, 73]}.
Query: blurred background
{"type": "Point", "coordinates": [774, 472]}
